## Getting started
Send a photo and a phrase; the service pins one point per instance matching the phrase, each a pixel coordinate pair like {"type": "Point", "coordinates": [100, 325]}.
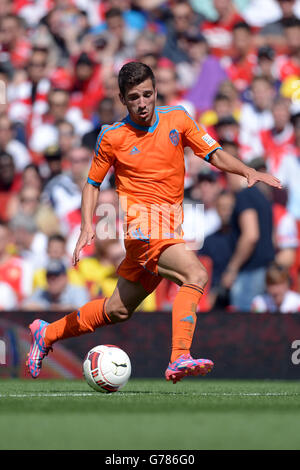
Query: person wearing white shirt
{"type": "Point", "coordinates": [278, 297]}
{"type": "Point", "coordinates": [255, 117]}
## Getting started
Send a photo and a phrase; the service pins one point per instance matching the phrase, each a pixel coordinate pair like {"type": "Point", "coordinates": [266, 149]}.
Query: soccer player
{"type": "Point", "coordinates": [147, 152]}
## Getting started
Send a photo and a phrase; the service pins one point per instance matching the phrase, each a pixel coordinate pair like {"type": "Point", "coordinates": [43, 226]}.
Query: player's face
{"type": "Point", "coordinates": [140, 102]}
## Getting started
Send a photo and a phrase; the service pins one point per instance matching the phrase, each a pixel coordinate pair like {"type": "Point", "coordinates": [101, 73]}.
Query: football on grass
{"type": "Point", "coordinates": [106, 368]}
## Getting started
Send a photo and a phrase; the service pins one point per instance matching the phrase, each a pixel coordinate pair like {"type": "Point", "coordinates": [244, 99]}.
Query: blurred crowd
{"type": "Point", "coordinates": [235, 67]}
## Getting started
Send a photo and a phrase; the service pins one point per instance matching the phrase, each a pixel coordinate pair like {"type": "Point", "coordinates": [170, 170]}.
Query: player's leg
{"type": "Point", "coordinates": [97, 313]}
{"type": "Point", "coordinates": [119, 307]}
{"type": "Point", "coordinates": [183, 267]}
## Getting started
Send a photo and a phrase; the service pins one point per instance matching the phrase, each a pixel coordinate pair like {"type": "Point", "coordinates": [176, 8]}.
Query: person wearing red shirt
{"type": "Point", "coordinates": [13, 41]}
{"type": "Point", "coordinates": [289, 64]}
{"type": "Point", "coordinates": [243, 60]}
{"type": "Point", "coordinates": [14, 271]}
{"type": "Point", "coordinates": [219, 33]}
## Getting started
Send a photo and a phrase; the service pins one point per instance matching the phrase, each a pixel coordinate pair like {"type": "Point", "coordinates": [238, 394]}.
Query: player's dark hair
{"type": "Point", "coordinates": [133, 74]}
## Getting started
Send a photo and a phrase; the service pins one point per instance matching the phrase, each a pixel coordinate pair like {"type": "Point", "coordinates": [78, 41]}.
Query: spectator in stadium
{"type": "Point", "coordinates": [205, 191]}
{"type": "Point", "coordinates": [105, 115]}
{"type": "Point", "coordinates": [31, 244]}
{"type": "Point", "coordinates": [59, 294]}
{"type": "Point", "coordinates": [168, 86]}
{"type": "Point", "coordinates": [278, 297]}
{"type": "Point", "coordinates": [57, 250]}
{"type": "Point", "coordinates": [31, 176]}
{"type": "Point", "coordinates": [14, 271]}
{"type": "Point", "coordinates": [46, 134]}
{"type": "Point", "coordinates": [266, 65]}
{"type": "Point", "coordinates": [221, 108]}
{"type": "Point", "coordinates": [63, 30]}
{"type": "Point", "coordinates": [255, 117]}
{"type": "Point", "coordinates": [111, 91]}
{"type": "Point", "coordinates": [121, 35]}
{"type": "Point", "coordinates": [285, 236]}
{"type": "Point", "coordinates": [241, 64]}
{"type": "Point", "coordinates": [9, 144]}
{"type": "Point", "coordinates": [149, 48]}
{"type": "Point", "coordinates": [6, 77]}
{"type": "Point", "coordinates": [67, 138]}
{"type": "Point", "coordinates": [14, 41]}
{"type": "Point", "coordinates": [183, 19]}
{"type": "Point", "coordinates": [9, 183]}
{"type": "Point", "coordinates": [218, 247]}
{"type": "Point", "coordinates": [135, 18]}
{"type": "Point", "coordinates": [206, 70]}
{"type": "Point", "coordinates": [227, 128]}
{"type": "Point", "coordinates": [218, 33]}
{"type": "Point", "coordinates": [253, 250]}
{"type": "Point", "coordinates": [53, 162]}
{"type": "Point", "coordinates": [87, 88]}
{"type": "Point", "coordinates": [228, 89]}
{"type": "Point", "coordinates": [288, 63]}
{"type": "Point", "coordinates": [30, 101]}
{"type": "Point", "coordinates": [8, 298]}
{"type": "Point", "coordinates": [289, 171]}
{"type": "Point", "coordinates": [277, 141]}
{"type": "Point", "coordinates": [63, 191]}
{"type": "Point", "coordinates": [6, 8]}
{"type": "Point", "coordinates": [273, 33]}
{"type": "Point", "coordinates": [28, 202]}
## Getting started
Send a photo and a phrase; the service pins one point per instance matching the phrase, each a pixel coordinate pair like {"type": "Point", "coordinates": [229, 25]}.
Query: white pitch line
{"type": "Point", "coordinates": [46, 395]}
{"type": "Point", "coordinates": [124, 394]}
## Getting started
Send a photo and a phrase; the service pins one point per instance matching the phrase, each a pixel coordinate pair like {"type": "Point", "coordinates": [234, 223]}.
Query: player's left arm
{"type": "Point", "coordinates": [224, 161]}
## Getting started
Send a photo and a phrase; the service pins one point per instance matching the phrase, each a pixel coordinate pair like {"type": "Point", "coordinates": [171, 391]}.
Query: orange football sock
{"type": "Point", "coordinates": [184, 319]}
{"type": "Point", "coordinates": [85, 320]}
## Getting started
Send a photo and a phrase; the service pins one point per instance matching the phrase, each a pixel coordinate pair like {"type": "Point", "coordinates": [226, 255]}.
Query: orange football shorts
{"type": "Point", "coordinates": [140, 262]}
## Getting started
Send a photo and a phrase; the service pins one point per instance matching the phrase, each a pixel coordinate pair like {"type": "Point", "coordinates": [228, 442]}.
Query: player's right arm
{"type": "Point", "coordinates": [88, 205]}
{"type": "Point", "coordinates": [102, 161]}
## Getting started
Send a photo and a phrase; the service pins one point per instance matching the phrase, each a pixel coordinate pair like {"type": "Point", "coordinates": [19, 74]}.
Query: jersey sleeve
{"type": "Point", "coordinates": [103, 159]}
{"type": "Point", "coordinates": [195, 137]}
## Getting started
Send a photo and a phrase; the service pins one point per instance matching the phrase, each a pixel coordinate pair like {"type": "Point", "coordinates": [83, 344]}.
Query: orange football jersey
{"type": "Point", "coordinates": [149, 168]}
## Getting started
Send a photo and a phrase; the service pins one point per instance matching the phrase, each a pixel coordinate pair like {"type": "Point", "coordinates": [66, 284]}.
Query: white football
{"type": "Point", "coordinates": [106, 368]}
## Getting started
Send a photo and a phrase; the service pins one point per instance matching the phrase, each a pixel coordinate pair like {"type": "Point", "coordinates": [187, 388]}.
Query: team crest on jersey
{"type": "Point", "coordinates": [174, 137]}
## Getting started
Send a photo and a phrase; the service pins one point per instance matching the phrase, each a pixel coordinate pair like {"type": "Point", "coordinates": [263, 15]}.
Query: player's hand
{"type": "Point", "coordinates": [255, 176]}
{"type": "Point", "coordinates": [85, 238]}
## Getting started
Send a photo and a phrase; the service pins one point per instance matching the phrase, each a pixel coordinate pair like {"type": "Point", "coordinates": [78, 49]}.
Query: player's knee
{"type": "Point", "coordinates": [197, 275]}
{"type": "Point", "coordinates": [118, 315]}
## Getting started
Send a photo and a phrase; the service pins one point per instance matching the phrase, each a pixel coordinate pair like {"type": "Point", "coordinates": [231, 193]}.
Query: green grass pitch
{"type": "Point", "coordinates": [150, 414]}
